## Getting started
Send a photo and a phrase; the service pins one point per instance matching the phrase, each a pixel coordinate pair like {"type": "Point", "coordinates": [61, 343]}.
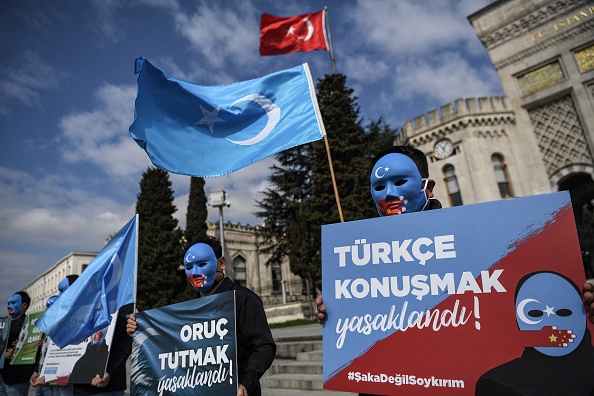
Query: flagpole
{"type": "Point", "coordinates": [325, 136]}
{"type": "Point", "coordinates": [136, 261]}
{"type": "Point", "coordinates": [330, 44]}
{"type": "Point", "coordinates": [333, 179]}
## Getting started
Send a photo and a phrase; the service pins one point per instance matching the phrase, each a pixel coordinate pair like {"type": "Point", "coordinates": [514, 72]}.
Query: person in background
{"type": "Point", "coordinates": [35, 380]}
{"type": "Point", "coordinates": [16, 377]}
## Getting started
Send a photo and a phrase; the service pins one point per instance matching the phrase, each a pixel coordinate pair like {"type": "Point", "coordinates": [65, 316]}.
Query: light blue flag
{"type": "Point", "coordinates": [105, 286]}
{"type": "Point", "coordinates": [208, 131]}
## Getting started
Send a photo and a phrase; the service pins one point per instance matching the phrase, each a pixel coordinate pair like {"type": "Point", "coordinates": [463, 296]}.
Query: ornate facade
{"type": "Point", "coordinates": [539, 137]}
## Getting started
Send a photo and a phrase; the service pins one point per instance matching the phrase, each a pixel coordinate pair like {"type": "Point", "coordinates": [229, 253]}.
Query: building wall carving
{"type": "Point", "coordinates": [561, 138]}
{"type": "Point", "coordinates": [533, 17]}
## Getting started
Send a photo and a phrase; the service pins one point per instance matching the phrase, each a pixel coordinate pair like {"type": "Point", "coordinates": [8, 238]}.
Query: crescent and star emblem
{"type": "Point", "coordinates": [116, 273]}
{"type": "Point", "coordinates": [272, 111]}
{"type": "Point", "coordinates": [522, 315]}
{"type": "Point", "coordinates": [310, 30]}
{"type": "Point", "coordinates": [383, 174]}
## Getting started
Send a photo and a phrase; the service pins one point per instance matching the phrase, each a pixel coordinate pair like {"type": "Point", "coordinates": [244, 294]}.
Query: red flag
{"type": "Point", "coordinates": [303, 33]}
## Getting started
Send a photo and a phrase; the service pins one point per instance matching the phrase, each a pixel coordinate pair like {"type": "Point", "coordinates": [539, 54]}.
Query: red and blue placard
{"type": "Point", "coordinates": [478, 299]}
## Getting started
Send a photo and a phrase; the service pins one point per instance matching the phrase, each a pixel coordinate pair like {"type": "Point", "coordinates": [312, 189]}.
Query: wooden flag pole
{"type": "Point", "coordinates": [333, 179]}
{"type": "Point", "coordinates": [331, 47]}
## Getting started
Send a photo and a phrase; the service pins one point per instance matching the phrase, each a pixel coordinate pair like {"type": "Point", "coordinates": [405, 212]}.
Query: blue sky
{"type": "Point", "coordinates": [69, 171]}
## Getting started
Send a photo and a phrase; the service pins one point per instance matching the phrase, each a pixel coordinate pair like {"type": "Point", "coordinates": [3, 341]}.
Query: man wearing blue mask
{"type": "Point", "coordinates": [204, 265]}
{"type": "Point", "coordinates": [16, 377]}
{"type": "Point", "coordinates": [399, 184]}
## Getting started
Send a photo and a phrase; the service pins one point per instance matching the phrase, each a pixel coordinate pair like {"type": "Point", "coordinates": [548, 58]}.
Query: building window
{"type": "Point", "coordinates": [239, 271]}
{"type": "Point", "coordinates": [277, 278]}
{"type": "Point", "coordinates": [451, 182]}
{"type": "Point", "coordinates": [84, 267]}
{"type": "Point", "coordinates": [501, 176]}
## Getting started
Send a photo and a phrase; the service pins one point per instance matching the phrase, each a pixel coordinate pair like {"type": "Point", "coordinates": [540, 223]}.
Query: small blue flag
{"type": "Point", "coordinates": [105, 286]}
{"type": "Point", "coordinates": [208, 131]}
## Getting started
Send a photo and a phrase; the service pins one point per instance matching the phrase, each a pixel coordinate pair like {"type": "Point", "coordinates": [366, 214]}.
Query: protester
{"type": "Point", "coordinates": [36, 380]}
{"type": "Point", "coordinates": [42, 345]}
{"type": "Point", "coordinates": [204, 266]}
{"type": "Point", "coordinates": [16, 377]}
{"type": "Point", "coordinates": [399, 184]}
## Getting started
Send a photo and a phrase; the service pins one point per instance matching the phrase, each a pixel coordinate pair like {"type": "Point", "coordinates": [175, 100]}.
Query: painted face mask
{"type": "Point", "coordinates": [547, 299]}
{"type": "Point", "coordinates": [99, 336]}
{"type": "Point", "coordinates": [200, 264]}
{"type": "Point", "coordinates": [63, 286]}
{"type": "Point", "coordinates": [50, 301]}
{"type": "Point", "coordinates": [397, 186]}
{"type": "Point", "coordinates": [15, 305]}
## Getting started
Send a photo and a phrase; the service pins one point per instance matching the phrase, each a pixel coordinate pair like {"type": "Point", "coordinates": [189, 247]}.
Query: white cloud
{"type": "Point", "coordinates": [101, 137]}
{"type": "Point", "coordinates": [400, 28]}
{"type": "Point", "coordinates": [223, 36]}
{"type": "Point", "coordinates": [443, 78]}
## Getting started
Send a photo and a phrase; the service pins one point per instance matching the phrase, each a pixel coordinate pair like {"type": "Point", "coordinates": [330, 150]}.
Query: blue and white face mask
{"type": "Point", "coordinates": [63, 286]}
{"type": "Point", "coordinates": [397, 186]}
{"type": "Point", "coordinates": [200, 264]}
{"type": "Point", "coordinates": [548, 299]}
{"type": "Point", "coordinates": [50, 301]}
{"type": "Point", "coordinates": [15, 305]}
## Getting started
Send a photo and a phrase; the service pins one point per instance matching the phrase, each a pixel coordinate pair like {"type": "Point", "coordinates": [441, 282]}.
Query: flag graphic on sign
{"type": "Point", "coordinates": [208, 131]}
{"type": "Point", "coordinates": [300, 33]}
{"type": "Point", "coordinates": [105, 286]}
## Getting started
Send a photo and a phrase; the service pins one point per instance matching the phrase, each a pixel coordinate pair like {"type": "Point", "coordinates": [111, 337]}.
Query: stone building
{"type": "Point", "coordinates": [539, 137]}
{"type": "Point", "coordinates": [275, 283]}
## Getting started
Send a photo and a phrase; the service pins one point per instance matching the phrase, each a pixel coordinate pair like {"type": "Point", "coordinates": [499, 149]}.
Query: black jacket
{"type": "Point", "coordinates": [255, 346]}
{"type": "Point", "coordinates": [16, 374]}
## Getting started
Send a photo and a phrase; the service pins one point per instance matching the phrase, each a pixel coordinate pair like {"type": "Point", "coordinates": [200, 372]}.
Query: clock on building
{"type": "Point", "coordinates": [443, 148]}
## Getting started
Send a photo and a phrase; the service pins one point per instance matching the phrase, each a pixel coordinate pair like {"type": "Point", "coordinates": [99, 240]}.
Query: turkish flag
{"type": "Point", "coordinates": [300, 33]}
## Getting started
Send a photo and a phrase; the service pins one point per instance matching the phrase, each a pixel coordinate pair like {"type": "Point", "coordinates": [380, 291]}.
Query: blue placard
{"type": "Point", "coordinates": [187, 348]}
{"type": "Point", "coordinates": [427, 300]}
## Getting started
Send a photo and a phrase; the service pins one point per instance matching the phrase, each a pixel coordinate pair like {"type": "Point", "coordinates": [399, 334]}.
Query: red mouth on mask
{"type": "Point", "coordinates": [392, 208]}
{"type": "Point", "coordinates": [197, 280]}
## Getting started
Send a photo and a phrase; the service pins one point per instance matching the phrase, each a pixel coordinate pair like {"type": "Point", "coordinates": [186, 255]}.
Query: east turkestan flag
{"type": "Point", "coordinates": [107, 284]}
{"type": "Point", "coordinates": [300, 33]}
{"type": "Point", "coordinates": [208, 131]}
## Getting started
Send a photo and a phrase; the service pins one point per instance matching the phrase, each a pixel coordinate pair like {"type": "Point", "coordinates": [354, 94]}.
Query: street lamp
{"type": "Point", "coordinates": [219, 199]}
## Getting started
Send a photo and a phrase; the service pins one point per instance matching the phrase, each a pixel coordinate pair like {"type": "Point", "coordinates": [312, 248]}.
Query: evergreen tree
{"type": "Point", "coordinates": [303, 197]}
{"type": "Point", "coordinates": [196, 228]}
{"type": "Point", "coordinates": [197, 212]}
{"type": "Point", "coordinates": [159, 256]}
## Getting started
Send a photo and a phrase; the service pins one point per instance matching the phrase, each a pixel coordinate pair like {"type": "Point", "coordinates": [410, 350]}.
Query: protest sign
{"type": "Point", "coordinates": [188, 348]}
{"type": "Point", "coordinates": [441, 301]}
{"type": "Point", "coordinates": [26, 347]}
{"type": "Point", "coordinates": [79, 363]}
{"type": "Point", "coordinates": [4, 331]}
